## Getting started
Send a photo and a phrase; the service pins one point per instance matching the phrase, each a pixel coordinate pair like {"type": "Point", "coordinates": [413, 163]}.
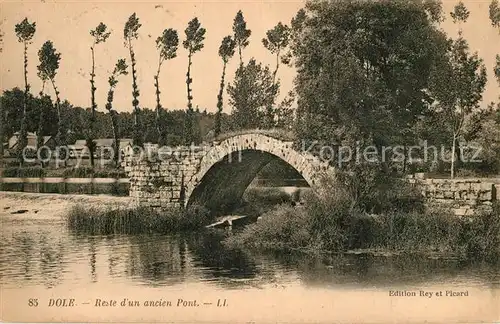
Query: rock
{"type": "Point", "coordinates": [20, 211]}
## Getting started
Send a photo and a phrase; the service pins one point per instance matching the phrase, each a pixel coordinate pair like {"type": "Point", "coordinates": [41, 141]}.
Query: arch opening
{"type": "Point", "coordinates": [222, 187]}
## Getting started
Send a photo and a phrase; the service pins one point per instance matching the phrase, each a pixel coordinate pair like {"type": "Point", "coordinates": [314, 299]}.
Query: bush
{"type": "Point", "coordinates": [24, 172]}
{"type": "Point", "coordinates": [336, 223]}
{"type": "Point", "coordinates": [134, 221]}
{"type": "Point", "coordinates": [282, 228]}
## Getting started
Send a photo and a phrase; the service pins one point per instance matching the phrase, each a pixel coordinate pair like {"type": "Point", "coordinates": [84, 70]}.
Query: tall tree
{"type": "Point", "coordinates": [120, 69]}
{"type": "Point", "coordinates": [130, 32]}
{"type": "Point", "coordinates": [495, 22]}
{"type": "Point", "coordinates": [167, 44]}
{"type": "Point", "coordinates": [241, 33]}
{"type": "Point", "coordinates": [226, 51]}
{"type": "Point", "coordinates": [250, 93]}
{"type": "Point", "coordinates": [460, 14]}
{"type": "Point", "coordinates": [195, 35]}
{"type": "Point", "coordinates": [458, 84]}
{"type": "Point", "coordinates": [24, 32]}
{"type": "Point", "coordinates": [359, 77]}
{"type": "Point", "coordinates": [47, 71]}
{"type": "Point", "coordinates": [276, 41]}
{"type": "Point", "coordinates": [99, 35]}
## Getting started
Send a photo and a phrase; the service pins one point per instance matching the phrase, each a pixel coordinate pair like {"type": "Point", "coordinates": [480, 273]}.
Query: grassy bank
{"type": "Point", "coordinates": [91, 220]}
{"type": "Point", "coordinates": [336, 224]}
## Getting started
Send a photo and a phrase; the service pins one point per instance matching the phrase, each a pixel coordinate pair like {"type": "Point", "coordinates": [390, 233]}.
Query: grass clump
{"type": "Point", "coordinates": [338, 223]}
{"type": "Point", "coordinates": [139, 220]}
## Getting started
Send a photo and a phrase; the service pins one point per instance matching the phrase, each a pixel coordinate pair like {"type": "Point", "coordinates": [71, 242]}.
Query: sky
{"type": "Point", "coordinates": [67, 24]}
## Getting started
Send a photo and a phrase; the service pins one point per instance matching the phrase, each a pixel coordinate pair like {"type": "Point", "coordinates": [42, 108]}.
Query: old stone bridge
{"type": "Point", "coordinates": [217, 175]}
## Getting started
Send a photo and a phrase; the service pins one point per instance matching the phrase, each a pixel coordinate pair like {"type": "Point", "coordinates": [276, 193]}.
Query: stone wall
{"type": "Point", "coordinates": [160, 183]}
{"type": "Point", "coordinates": [464, 196]}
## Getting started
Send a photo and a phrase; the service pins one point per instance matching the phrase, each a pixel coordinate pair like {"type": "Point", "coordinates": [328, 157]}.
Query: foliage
{"type": "Point", "coordinates": [460, 13]}
{"type": "Point", "coordinates": [167, 44]}
{"type": "Point", "coordinates": [241, 33]}
{"type": "Point", "coordinates": [195, 35]}
{"type": "Point", "coordinates": [130, 32]}
{"type": "Point", "coordinates": [360, 78]}
{"type": "Point", "coordinates": [494, 13]}
{"type": "Point", "coordinates": [47, 70]}
{"type": "Point", "coordinates": [99, 35]}
{"type": "Point", "coordinates": [24, 32]}
{"type": "Point", "coordinates": [251, 92]}
{"type": "Point", "coordinates": [329, 225]}
{"type": "Point", "coordinates": [24, 172]}
{"type": "Point", "coordinates": [457, 84]}
{"type": "Point", "coordinates": [276, 41]}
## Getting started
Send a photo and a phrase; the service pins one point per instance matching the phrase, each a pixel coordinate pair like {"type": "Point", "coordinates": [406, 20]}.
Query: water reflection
{"type": "Point", "coordinates": [46, 254]}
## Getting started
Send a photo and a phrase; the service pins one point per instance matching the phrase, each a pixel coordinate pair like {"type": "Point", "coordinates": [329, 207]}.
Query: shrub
{"type": "Point", "coordinates": [282, 228]}
{"type": "Point", "coordinates": [24, 172]}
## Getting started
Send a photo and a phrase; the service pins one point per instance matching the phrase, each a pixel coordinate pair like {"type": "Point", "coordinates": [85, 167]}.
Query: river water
{"type": "Point", "coordinates": [186, 276]}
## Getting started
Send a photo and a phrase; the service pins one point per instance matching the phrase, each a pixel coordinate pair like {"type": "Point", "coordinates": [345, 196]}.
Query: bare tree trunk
{"type": "Point", "coordinates": [188, 125]}
{"type": "Point", "coordinates": [135, 94]}
{"type": "Point", "coordinates": [452, 171]}
{"type": "Point", "coordinates": [90, 135]}
{"type": "Point", "coordinates": [114, 124]}
{"type": "Point", "coordinates": [218, 116]}
{"type": "Point", "coordinates": [158, 106]}
{"type": "Point", "coordinates": [22, 139]}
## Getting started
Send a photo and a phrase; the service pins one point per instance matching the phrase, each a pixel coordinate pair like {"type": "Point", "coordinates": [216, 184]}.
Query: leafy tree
{"type": "Point", "coordinates": [494, 11]}
{"type": "Point", "coordinates": [47, 71]}
{"type": "Point", "coordinates": [250, 93]}
{"type": "Point", "coordinates": [295, 29]}
{"type": "Point", "coordinates": [120, 69]}
{"type": "Point", "coordinates": [241, 33]}
{"type": "Point", "coordinates": [167, 45]}
{"type": "Point", "coordinates": [360, 79]}
{"type": "Point", "coordinates": [460, 14]}
{"type": "Point", "coordinates": [99, 35]}
{"type": "Point", "coordinates": [24, 32]}
{"type": "Point", "coordinates": [458, 84]}
{"type": "Point", "coordinates": [495, 22]}
{"type": "Point", "coordinates": [130, 32]}
{"type": "Point", "coordinates": [195, 35]}
{"type": "Point", "coordinates": [276, 41]}
{"type": "Point", "coordinates": [226, 51]}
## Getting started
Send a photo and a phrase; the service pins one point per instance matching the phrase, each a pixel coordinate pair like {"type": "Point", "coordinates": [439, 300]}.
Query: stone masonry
{"type": "Point", "coordinates": [465, 197]}
{"type": "Point", "coordinates": [214, 175]}
{"type": "Point", "coordinates": [217, 175]}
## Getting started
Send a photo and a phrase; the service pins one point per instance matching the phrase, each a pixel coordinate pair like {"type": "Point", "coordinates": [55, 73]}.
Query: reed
{"type": "Point", "coordinates": [138, 220]}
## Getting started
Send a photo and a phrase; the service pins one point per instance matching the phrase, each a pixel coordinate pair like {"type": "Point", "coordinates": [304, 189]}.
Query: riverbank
{"type": "Point", "coordinates": [332, 227]}
{"type": "Point", "coordinates": [52, 206]}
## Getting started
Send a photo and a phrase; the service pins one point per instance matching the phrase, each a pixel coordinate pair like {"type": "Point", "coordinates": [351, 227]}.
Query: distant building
{"type": "Point", "coordinates": [11, 147]}
{"type": "Point", "coordinates": [103, 146]}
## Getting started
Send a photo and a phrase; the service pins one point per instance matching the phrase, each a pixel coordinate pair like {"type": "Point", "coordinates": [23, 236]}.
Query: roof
{"type": "Point", "coordinates": [31, 137]}
{"type": "Point", "coordinates": [80, 144]}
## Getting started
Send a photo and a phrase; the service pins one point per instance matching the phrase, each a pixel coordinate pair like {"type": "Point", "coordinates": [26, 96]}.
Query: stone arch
{"type": "Point", "coordinates": [228, 167]}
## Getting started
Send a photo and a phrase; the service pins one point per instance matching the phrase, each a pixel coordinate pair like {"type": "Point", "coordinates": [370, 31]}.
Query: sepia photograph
{"type": "Point", "coordinates": [254, 161]}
